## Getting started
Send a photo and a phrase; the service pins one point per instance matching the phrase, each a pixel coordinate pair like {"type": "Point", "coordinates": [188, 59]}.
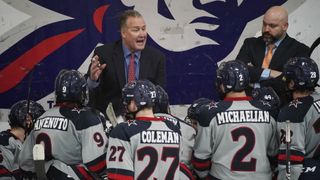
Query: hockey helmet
{"type": "Point", "coordinates": [266, 94]}
{"type": "Point", "coordinates": [233, 75]}
{"type": "Point", "coordinates": [162, 101]}
{"type": "Point", "coordinates": [71, 86]}
{"type": "Point", "coordinates": [18, 113]}
{"type": "Point", "coordinates": [196, 107]}
{"type": "Point", "coordinates": [142, 92]}
{"type": "Point", "coordinates": [303, 71]}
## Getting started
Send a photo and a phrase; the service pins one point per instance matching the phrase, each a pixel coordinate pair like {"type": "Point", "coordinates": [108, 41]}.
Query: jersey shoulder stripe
{"type": "Point", "coordinates": [125, 130]}
{"type": "Point", "coordinates": [208, 112]}
{"type": "Point", "coordinates": [82, 118]}
{"type": "Point", "coordinates": [296, 110]}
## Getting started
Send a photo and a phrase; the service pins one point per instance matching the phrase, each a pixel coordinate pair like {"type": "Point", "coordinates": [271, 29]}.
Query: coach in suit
{"type": "Point", "coordinates": [267, 54]}
{"type": "Point", "coordinates": [117, 63]}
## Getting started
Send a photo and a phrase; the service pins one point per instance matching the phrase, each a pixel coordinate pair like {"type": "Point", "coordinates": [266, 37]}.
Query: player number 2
{"type": "Point", "coordinates": [238, 163]}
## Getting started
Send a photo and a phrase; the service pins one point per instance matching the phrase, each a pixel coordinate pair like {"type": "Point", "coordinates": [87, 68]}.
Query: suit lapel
{"type": "Point", "coordinates": [119, 64]}
{"type": "Point", "coordinates": [144, 64]}
{"type": "Point", "coordinates": [261, 47]}
{"type": "Point", "coordinates": [276, 60]}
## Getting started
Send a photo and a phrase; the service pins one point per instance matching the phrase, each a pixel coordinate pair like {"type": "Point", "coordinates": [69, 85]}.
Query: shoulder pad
{"type": "Point", "coordinates": [296, 110]}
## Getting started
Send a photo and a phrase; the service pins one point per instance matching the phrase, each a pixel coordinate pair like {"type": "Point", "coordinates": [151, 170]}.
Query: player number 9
{"type": "Point", "coordinates": [98, 139]}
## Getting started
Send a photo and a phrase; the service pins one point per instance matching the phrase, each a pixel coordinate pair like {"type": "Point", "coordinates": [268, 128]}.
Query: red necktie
{"type": "Point", "coordinates": [131, 71]}
{"type": "Point", "coordinates": [268, 56]}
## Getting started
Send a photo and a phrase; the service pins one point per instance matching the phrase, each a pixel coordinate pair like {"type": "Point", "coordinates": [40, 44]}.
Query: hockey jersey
{"type": "Point", "coordinates": [188, 134]}
{"type": "Point", "coordinates": [304, 116]}
{"type": "Point", "coordinates": [144, 148]}
{"type": "Point", "coordinates": [71, 135]}
{"type": "Point", "coordinates": [235, 138]}
{"type": "Point", "coordinates": [10, 147]}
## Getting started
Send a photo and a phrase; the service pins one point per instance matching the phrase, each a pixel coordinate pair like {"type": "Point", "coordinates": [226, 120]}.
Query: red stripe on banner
{"type": "Point", "coordinates": [119, 176]}
{"type": "Point", "coordinates": [84, 173]}
{"type": "Point", "coordinates": [98, 17]}
{"type": "Point", "coordinates": [12, 74]}
{"type": "Point", "coordinates": [98, 167]}
{"type": "Point", "coordinates": [292, 158]}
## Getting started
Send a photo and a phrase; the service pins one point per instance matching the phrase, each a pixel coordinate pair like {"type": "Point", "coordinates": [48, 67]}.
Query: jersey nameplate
{"type": "Point", "coordinates": [52, 123]}
{"type": "Point", "coordinates": [159, 137]}
{"type": "Point", "coordinates": [249, 116]}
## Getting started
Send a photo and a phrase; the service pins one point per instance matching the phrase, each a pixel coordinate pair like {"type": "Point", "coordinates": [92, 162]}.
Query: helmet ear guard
{"type": "Point", "coordinates": [303, 72]}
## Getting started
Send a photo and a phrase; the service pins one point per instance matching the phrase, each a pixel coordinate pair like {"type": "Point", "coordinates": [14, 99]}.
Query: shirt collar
{"type": "Point", "coordinates": [277, 43]}
{"type": "Point", "coordinates": [127, 52]}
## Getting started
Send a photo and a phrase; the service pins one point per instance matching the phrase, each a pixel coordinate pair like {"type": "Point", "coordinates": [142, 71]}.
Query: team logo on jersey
{"type": "Point", "coordinates": [131, 122]}
{"type": "Point", "coordinates": [58, 123]}
{"type": "Point", "coordinates": [159, 137]}
{"type": "Point", "coordinates": [212, 105]}
{"type": "Point", "coordinates": [249, 116]}
{"type": "Point", "coordinates": [78, 110]}
{"type": "Point", "coordinates": [295, 103]}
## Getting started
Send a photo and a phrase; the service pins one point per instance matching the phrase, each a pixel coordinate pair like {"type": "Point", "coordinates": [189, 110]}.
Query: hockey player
{"type": "Point", "coordinates": [302, 116]}
{"type": "Point", "coordinates": [146, 147]}
{"type": "Point", "coordinates": [70, 132]}
{"type": "Point", "coordinates": [21, 117]}
{"type": "Point", "coordinates": [237, 136]}
{"type": "Point", "coordinates": [162, 109]}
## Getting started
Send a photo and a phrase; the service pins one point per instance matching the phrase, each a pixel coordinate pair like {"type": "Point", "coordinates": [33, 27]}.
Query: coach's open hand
{"type": "Point", "coordinates": [96, 68]}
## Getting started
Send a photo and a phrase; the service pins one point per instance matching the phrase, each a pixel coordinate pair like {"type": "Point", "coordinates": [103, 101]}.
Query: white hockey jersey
{"type": "Point", "coordinates": [145, 148]}
{"type": "Point", "coordinates": [235, 138]}
{"type": "Point", "coordinates": [73, 136]}
{"type": "Point", "coordinates": [304, 117]}
{"type": "Point", "coordinates": [10, 147]}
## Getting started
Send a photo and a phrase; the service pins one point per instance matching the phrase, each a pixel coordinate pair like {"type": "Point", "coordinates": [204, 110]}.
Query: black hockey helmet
{"type": "Point", "coordinates": [143, 92]}
{"type": "Point", "coordinates": [195, 108]}
{"type": "Point", "coordinates": [71, 86]}
{"type": "Point", "coordinates": [162, 101]}
{"type": "Point", "coordinates": [266, 94]}
{"type": "Point", "coordinates": [303, 71]}
{"type": "Point", "coordinates": [233, 75]}
{"type": "Point", "coordinates": [18, 113]}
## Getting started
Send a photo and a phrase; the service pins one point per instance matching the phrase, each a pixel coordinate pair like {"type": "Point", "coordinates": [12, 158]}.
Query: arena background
{"type": "Point", "coordinates": [38, 38]}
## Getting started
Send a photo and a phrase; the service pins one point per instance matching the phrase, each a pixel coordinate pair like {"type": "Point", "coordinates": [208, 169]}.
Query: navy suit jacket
{"type": "Point", "coordinates": [253, 51]}
{"type": "Point", "coordinates": [112, 79]}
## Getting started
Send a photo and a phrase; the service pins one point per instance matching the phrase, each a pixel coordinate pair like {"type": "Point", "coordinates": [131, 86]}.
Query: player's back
{"type": "Point", "coordinates": [240, 136]}
{"type": "Point", "coordinates": [313, 131]}
{"type": "Point", "coordinates": [145, 148]}
{"type": "Point", "coordinates": [67, 133]}
{"type": "Point", "coordinates": [304, 115]}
